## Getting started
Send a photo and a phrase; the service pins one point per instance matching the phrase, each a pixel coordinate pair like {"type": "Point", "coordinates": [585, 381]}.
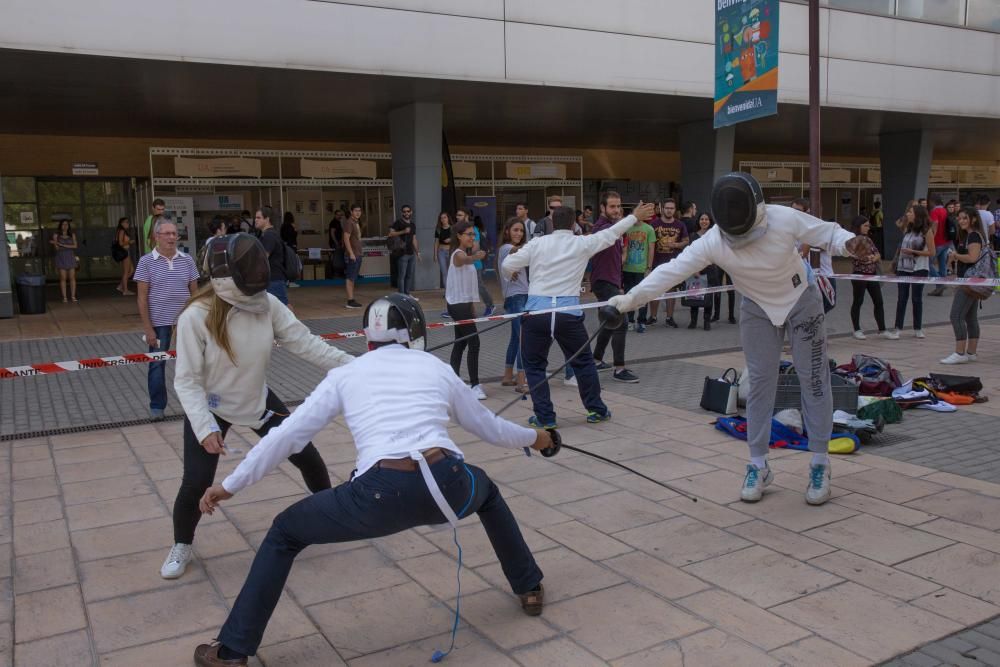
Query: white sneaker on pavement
{"type": "Point", "coordinates": [860, 335]}
{"type": "Point", "coordinates": [478, 391]}
{"type": "Point", "coordinates": [176, 562]}
{"type": "Point", "coordinates": [891, 335]}
{"type": "Point", "coordinates": [571, 382]}
{"type": "Point", "coordinates": [955, 358]}
{"type": "Point", "coordinates": [919, 333]}
{"type": "Point", "coordinates": [754, 483]}
{"type": "Point", "coordinates": [818, 491]}
{"type": "Point", "coordinates": [971, 356]}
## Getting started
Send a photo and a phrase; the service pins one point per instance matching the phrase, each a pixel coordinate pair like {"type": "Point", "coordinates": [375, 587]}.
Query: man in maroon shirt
{"type": "Point", "coordinates": [606, 282]}
{"type": "Point", "coordinates": [942, 244]}
{"type": "Point", "coordinates": [671, 238]}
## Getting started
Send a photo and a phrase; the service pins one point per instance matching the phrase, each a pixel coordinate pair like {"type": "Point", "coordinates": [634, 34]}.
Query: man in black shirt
{"type": "Point", "coordinates": [405, 233]}
{"type": "Point", "coordinates": [275, 253]}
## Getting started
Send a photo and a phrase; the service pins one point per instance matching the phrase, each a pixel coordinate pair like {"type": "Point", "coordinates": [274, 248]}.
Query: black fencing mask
{"type": "Point", "coordinates": [737, 203]}
{"type": "Point", "coordinates": [396, 318]}
{"type": "Point", "coordinates": [240, 257]}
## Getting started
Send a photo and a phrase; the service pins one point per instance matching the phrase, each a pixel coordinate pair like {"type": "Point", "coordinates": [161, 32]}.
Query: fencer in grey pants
{"type": "Point", "coordinates": [762, 342]}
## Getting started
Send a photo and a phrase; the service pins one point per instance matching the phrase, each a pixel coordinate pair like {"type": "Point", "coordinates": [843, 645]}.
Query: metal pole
{"type": "Point", "coordinates": [815, 201]}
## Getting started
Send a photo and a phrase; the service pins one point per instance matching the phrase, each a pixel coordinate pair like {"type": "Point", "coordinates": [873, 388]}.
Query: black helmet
{"type": "Point", "coordinates": [396, 318]}
{"type": "Point", "coordinates": [240, 257]}
{"type": "Point", "coordinates": [737, 203]}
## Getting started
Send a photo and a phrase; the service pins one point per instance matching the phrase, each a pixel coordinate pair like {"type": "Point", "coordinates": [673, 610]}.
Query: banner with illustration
{"type": "Point", "coordinates": [746, 60]}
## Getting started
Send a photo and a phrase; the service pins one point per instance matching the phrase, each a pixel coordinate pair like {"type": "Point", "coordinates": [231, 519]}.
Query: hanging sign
{"type": "Point", "coordinates": [536, 170]}
{"type": "Point", "coordinates": [232, 202]}
{"type": "Point", "coordinates": [746, 60]}
{"type": "Point", "coordinates": [216, 167]}
{"type": "Point", "coordinates": [85, 169]}
{"type": "Point", "coordinates": [337, 168]}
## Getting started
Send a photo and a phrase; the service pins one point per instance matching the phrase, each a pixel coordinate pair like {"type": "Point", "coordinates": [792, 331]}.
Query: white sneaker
{"type": "Point", "coordinates": [818, 491]}
{"type": "Point", "coordinates": [176, 562]}
{"type": "Point", "coordinates": [571, 382]}
{"type": "Point", "coordinates": [971, 356]}
{"type": "Point", "coordinates": [860, 335]}
{"type": "Point", "coordinates": [754, 483]}
{"type": "Point", "coordinates": [478, 391]}
{"type": "Point", "coordinates": [891, 335]}
{"type": "Point", "coordinates": [955, 358]}
{"type": "Point", "coordinates": [919, 333]}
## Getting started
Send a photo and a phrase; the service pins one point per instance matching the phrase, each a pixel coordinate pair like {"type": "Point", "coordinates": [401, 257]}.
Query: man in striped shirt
{"type": "Point", "coordinates": [166, 278]}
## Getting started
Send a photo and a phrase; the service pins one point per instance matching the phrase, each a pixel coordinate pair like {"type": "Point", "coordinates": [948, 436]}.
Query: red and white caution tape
{"type": "Point", "coordinates": [142, 358]}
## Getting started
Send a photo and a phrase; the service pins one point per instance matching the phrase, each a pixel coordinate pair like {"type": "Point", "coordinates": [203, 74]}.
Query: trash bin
{"type": "Point", "coordinates": [31, 294]}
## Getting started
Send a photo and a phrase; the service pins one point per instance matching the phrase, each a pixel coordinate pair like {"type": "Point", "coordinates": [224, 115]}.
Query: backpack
{"type": "Point", "coordinates": [874, 376]}
{"type": "Point", "coordinates": [291, 261]}
{"type": "Point", "coordinates": [984, 267]}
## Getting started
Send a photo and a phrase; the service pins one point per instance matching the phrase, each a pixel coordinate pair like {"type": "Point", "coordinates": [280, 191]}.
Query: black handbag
{"type": "Point", "coordinates": [720, 394]}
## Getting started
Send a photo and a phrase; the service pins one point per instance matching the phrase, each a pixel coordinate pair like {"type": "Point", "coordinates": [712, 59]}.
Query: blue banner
{"type": "Point", "coordinates": [746, 60]}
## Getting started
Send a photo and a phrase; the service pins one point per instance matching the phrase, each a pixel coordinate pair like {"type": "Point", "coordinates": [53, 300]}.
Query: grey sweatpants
{"type": "Point", "coordinates": [762, 342]}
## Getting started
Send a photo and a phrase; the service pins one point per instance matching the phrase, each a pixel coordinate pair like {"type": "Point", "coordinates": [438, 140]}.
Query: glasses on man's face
{"type": "Point", "coordinates": [467, 234]}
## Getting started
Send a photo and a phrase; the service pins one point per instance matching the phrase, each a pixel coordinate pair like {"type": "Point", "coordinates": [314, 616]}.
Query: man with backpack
{"type": "Point", "coordinates": [275, 248]}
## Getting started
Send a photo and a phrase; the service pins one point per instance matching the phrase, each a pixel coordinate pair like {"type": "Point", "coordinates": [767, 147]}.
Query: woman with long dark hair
{"type": "Point", "coordinates": [712, 275]}
{"type": "Point", "coordinates": [461, 293]}
{"type": "Point", "coordinates": [969, 244]}
{"type": "Point", "coordinates": [442, 243]}
{"type": "Point", "coordinates": [867, 263]}
{"type": "Point", "coordinates": [915, 251]}
{"type": "Point", "coordinates": [515, 295]}
{"type": "Point", "coordinates": [225, 336]}
{"type": "Point", "coordinates": [123, 239]}
{"type": "Point", "coordinates": [64, 241]}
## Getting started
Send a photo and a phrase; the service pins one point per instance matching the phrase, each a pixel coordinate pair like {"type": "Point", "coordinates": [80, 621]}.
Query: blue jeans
{"type": "Point", "coordinates": [279, 289]}
{"type": "Point", "coordinates": [378, 503]}
{"type": "Point", "coordinates": [939, 265]}
{"type": "Point", "coordinates": [444, 256]}
{"type": "Point", "coordinates": [407, 271]}
{"type": "Point", "coordinates": [514, 304]}
{"type": "Point", "coordinates": [158, 370]}
{"type": "Point", "coordinates": [570, 334]}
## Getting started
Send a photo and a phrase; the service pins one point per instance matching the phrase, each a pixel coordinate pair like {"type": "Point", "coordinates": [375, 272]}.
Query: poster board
{"type": "Point", "coordinates": [181, 211]}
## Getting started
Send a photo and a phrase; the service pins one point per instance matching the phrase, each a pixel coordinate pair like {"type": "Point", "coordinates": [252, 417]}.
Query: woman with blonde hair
{"type": "Point", "coordinates": [225, 335]}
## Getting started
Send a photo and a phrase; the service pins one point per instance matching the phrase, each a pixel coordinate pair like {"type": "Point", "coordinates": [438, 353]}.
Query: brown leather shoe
{"type": "Point", "coordinates": [532, 601]}
{"type": "Point", "coordinates": [207, 655]}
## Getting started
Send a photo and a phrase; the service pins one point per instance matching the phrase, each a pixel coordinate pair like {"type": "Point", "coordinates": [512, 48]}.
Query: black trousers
{"type": "Point", "coordinates": [603, 291]}
{"type": "Point", "coordinates": [199, 470]}
{"type": "Point", "coordinates": [465, 311]}
{"type": "Point", "coordinates": [629, 280]}
{"type": "Point", "coordinates": [859, 287]}
{"type": "Point", "coordinates": [903, 293]}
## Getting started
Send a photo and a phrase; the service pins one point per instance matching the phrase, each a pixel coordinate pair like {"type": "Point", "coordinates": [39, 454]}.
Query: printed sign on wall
{"type": "Point", "coordinates": [746, 60]}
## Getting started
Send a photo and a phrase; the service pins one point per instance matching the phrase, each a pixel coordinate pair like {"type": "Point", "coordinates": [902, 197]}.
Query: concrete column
{"type": "Point", "coordinates": [415, 133]}
{"type": "Point", "coordinates": [906, 167]}
{"type": "Point", "coordinates": [6, 297]}
{"type": "Point", "coordinates": [706, 154]}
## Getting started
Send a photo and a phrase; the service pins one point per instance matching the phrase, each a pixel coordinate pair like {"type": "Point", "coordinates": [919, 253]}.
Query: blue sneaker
{"type": "Point", "coordinates": [535, 423]}
{"type": "Point", "coordinates": [754, 483]}
{"type": "Point", "coordinates": [601, 366]}
{"type": "Point", "coordinates": [489, 311]}
{"type": "Point", "coordinates": [445, 315]}
{"type": "Point", "coordinates": [818, 491]}
{"type": "Point", "coordinates": [595, 418]}
{"type": "Point", "coordinates": [640, 327]}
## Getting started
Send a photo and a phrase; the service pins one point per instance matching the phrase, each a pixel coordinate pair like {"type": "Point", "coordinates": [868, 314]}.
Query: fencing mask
{"type": "Point", "coordinates": [396, 318]}
{"type": "Point", "coordinates": [240, 257]}
{"type": "Point", "coordinates": [737, 203]}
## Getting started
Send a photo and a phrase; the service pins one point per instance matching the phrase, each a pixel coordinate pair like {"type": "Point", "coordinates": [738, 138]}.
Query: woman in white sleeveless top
{"type": "Point", "coordinates": [461, 292]}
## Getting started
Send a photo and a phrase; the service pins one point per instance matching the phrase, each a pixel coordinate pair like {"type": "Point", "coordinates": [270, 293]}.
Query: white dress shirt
{"type": "Point", "coordinates": [395, 400]}
{"type": "Point", "coordinates": [558, 260]}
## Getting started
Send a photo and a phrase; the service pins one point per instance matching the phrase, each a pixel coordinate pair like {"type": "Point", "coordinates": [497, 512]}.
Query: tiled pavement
{"type": "Point", "coordinates": [635, 575]}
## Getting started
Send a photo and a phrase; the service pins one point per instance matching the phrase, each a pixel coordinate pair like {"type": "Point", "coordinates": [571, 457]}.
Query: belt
{"type": "Point", "coordinates": [432, 456]}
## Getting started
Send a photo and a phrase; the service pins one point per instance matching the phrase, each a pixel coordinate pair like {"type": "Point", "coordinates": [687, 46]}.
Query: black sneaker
{"type": "Point", "coordinates": [354, 304]}
{"type": "Point", "coordinates": [650, 320]}
{"type": "Point", "coordinates": [625, 375]}
{"type": "Point", "coordinates": [732, 320]}
{"type": "Point", "coordinates": [601, 366]}
{"type": "Point", "coordinates": [670, 322]}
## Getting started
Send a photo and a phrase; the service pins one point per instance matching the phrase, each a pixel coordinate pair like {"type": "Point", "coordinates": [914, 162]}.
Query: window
{"type": "Point", "coordinates": [984, 15]}
{"type": "Point", "coordinates": [887, 7]}
{"type": "Point", "coordinates": [947, 12]}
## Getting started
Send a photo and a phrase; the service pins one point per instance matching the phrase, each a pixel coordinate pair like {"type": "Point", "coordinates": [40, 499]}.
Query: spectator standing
{"type": "Point", "coordinates": [352, 252]}
{"type": "Point", "coordinates": [969, 244]}
{"type": "Point", "coordinates": [515, 295]}
{"type": "Point", "coordinates": [157, 210]}
{"type": "Point", "coordinates": [166, 278]}
{"type": "Point", "coordinates": [588, 215]}
{"type": "Point", "coordinates": [712, 275]}
{"type": "Point", "coordinates": [866, 262]}
{"type": "Point", "coordinates": [461, 294]}
{"type": "Point", "coordinates": [442, 244]}
{"type": "Point", "coordinates": [123, 237]}
{"type": "Point", "coordinates": [289, 233]}
{"type": "Point", "coordinates": [544, 226]}
{"type": "Point", "coordinates": [64, 242]}
{"type": "Point", "coordinates": [915, 251]}
{"type": "Point", "coordinates": [689, 216]}
{"type": "Point", "coordinates": [274, 247]}
{"type": "Point", "coordinates": [639, 243]}
{"type": "Point", "coordinates": [876, 220]}
{"type": "Point", "coordinates": [606, 282]}
{"type": "Point", "coordinates": [405, 230]}
{"type": "Point", "coordinates": [986, 217]}
{"type": "Point", "coordinates": [942, 242]}
{"type": "Point", "coordinates": [671, 238]}
{"type": "Point", "coordinates": [521, 211]}
{"type": "Point", "coordinates": [335, 239]}
{"type": "Point", "coordinates": [482, 243]}
{"type": "Point", "coordinates": [245, 223]}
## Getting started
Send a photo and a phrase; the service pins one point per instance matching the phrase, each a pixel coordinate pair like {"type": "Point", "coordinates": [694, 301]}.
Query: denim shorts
{"type": "Point", "coordinates": [352, 268]}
